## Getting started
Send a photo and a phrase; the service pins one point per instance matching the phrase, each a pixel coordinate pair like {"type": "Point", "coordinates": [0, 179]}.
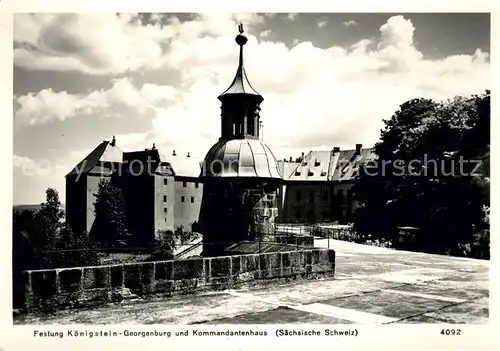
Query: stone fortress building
{"type": "Point", "coordinates": [161, 192]}
{"type": "Point", "coordinates": [236, 194]}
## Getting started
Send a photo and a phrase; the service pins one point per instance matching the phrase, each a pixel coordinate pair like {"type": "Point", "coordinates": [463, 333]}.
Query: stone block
{"type": "Point", "coordinates": [44, 283]}
{"type": "Point", "coordinates": [207, 263]}
{"type": "Point", "coordinates": [274, 272]}
{"type": "Point", "coordinates": [274, 261]}
{"type": "Point", "coordinates": [323, 256]}
{"type": "Point", "coordinates": [27, 283]}
{"type": "Point", "coordinates": [164, 270]}
{"type": "Point", "coordinates": [308, 256]}
{"type": "Point", "coordinates": [236, 265]}
{"type": "Point", "coordinates": [286, 271]}
{"type": "Point", "coordinates": [148, 273]}
{"type": "Point", "coordinates": [97, 278]}
{"type": "Point", "coordinates": [264, 262]}
{"type": "Point", "coordinates": [321, 268]}
{"type": "Point", "coordinates": [70, 280]}
{"type": "Point", "coordinates": [132, 277]}
{"type": "Point", "coordinates": [251, 263]}
{"type": "Point", "coordinates": [187, 269]}
{"type": "Point", "coordinates": [331, 256]}
{"type": "Point", "coordinates": [315, 257]}
{"type": "Point", "coordinates": [220, 267]}
{"type": "Point", "coordinates": [285, 259]}
{"type": "Point", "coordinates": [298, 262]}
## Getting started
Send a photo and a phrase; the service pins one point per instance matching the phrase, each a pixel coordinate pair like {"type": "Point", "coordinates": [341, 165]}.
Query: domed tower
{"type": "Point", "coordinates": [240, 173]}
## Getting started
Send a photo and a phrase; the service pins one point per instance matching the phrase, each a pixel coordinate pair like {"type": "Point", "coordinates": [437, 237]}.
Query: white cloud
{"type": "Point", "coordinates": [350, 23]}
{"type": "Point", "coordinates": [265, 33]}
{"type": "Point", "coordinates": [321, 24]}
{"type": "Point", "coordinates": [111, 44]}
{"type": "Point", "coordinates": [47, 106]}
{"type": "Point", "coordinates": [313, 96]}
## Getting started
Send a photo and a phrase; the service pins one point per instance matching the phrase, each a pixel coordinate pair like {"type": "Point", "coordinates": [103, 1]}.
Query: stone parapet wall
{"type": "Point", "coordinates": [87, 286]}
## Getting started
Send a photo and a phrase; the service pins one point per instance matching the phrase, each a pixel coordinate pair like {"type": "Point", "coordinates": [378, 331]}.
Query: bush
{"type": "Point", "coordinates": [183, 236]}
{"type": "Point", "coordinates": [480, 247]}
{"type": "Point", "coordinates": [166, 238]}
{"type": "Point", "coordinates": [162, 253]}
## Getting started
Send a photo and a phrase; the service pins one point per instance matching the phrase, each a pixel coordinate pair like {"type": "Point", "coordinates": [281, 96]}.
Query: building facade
{"type": "Point", "coordinates": [318, 188]}
{"type": "Point", "coordinates": [161, 192]}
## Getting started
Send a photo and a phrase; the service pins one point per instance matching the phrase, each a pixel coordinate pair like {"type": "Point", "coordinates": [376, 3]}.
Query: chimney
{"type": "Point", "coordinates": [336, 149]}
{"type": "Point", "coordinates": [174, 154]}
{"type": "Point", "coordinates": [113, 142]}
{"type": "Point", "coordinates": [302, 156]}
{"type": "Point", "coordinates": [154, 147]}
{"type": "Point", "coordinates": [290, 158]}
{"type": "Point", "coordinates": [358, 148]}
{"type": "Point", "coordinates": [188, 154]}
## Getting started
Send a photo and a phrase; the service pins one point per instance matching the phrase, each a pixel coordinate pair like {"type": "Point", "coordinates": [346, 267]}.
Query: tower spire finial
{"type": "Point", "coordinates": [241, 40]}
{"type": "Point", "coordinates": [240, 84]}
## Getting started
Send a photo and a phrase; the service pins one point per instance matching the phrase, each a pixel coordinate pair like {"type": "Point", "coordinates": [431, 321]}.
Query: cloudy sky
{"type": "Point", "coordinates": [327, 80]}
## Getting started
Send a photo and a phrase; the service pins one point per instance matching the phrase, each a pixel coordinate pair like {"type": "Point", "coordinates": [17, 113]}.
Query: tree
{"type": "Point", "coordinates": [110, 228]}
{"type": "Point", "coordinates": [50, 219]}
{"type": "Point", "coordinates": [81, 251]}
{"type": "Point", "coordinates": [423, 176]}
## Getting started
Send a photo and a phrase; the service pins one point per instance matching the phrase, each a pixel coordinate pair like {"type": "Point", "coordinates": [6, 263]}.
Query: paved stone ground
{"type": "Point", "coordinates": [372, 286]}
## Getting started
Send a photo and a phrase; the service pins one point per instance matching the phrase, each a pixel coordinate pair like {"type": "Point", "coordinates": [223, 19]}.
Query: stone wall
{"type": "Point", "coordinates": [84, 286]}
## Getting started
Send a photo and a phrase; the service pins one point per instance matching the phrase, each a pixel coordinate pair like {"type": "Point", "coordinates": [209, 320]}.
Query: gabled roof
{"type": "Point", "coordinates": [104, 152]}
{"type": "Point", "coordinates": [346, 164]}
{"type": "Point", "coordinates": [314, 166]}
{"type": "Point", "coordinates": [287, 168]}
{"type": "Point", "coordinates": [328, 165]}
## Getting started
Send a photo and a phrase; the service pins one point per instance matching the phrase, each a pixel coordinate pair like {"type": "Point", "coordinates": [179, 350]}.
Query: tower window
{"type": "Point", "coordinates": [184, 184]}
{"type": "Point", "coordinates": [164, 181]}
{"type": "Point", "coordinates": [192, 199]}
{"type": "Point", "coordinates": [165, 209]}
{"type": "Point", "coordinates": [196, 185]}
{"type": "Point", "coordinates": [164, 198]}
{"type": "Point", "coordinates": [182, 198]}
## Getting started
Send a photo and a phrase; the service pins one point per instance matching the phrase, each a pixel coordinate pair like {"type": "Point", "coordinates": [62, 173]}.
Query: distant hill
{"type": "Point", "coordinates": [21, 208]}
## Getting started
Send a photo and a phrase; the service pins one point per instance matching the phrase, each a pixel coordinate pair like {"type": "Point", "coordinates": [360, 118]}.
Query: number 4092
{"type": "Point", "coordinates": [451, 332]}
